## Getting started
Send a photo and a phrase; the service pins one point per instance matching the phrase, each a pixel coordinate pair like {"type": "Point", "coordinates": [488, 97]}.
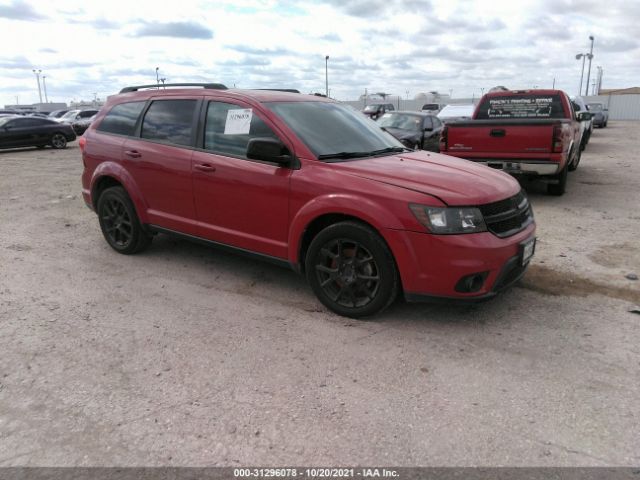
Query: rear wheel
{"type": "Point", "coordinates": [119, 223]}
{"type": "Point", "coordinates": [561, 186]}
{"type": "Point", "coordinates": [576, 161]}
{"type": "Point", "coordinates": [58, 140]}
{"type": "Point", "coordinates": [351, 270]}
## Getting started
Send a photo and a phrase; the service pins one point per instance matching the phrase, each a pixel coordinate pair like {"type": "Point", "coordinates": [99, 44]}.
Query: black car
{"type": "Point", "coordinates": [416, 130]}
{"type": "Point", "coordinates": [34, 131]}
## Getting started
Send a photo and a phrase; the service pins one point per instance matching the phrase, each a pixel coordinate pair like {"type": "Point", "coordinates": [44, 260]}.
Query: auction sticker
{"type": "Point", "coordinates": [238, 121]}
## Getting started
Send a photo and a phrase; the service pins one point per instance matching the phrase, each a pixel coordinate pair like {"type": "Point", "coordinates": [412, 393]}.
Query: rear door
{"type": "Point", "coordinates": [160, 161]}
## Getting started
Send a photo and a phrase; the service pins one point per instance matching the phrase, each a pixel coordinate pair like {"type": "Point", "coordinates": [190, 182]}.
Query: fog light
{"type": "Point", "coordinates": [471, 283]}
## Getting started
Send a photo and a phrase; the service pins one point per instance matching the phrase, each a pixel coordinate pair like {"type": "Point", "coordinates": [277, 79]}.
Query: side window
{"type": "Point", "coordinates": [428, 123]}
{"type": "Point", "coordinates": [436, 123]}
{"type": "Point", "coordinates": [121, 119]}
{"type": "Point", "coordinates": [390, 107]}
{"type": "Point", "coordinates": [87, 114]}
{"type": "Point", "coordinates": [220, 138]}
{"type": "Point", "coordinates": [169, 121]}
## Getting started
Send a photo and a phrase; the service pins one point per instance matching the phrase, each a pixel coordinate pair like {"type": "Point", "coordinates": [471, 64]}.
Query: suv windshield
{"type": "Point", "coordinates": [401, 121]}
{"type": "Point", "coordinates": [372, 108]}
{"type": "Point", "coordinates": [335, 131]}
{"type": "Point", "coordinates": [596, 107]}
{"type": "Point", "coordinates": [70, 114]}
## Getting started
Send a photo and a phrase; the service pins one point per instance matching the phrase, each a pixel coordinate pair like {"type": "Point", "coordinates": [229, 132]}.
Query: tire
{"type": "Point", "coordinates": [560, 187]}
{"type": "Point", "coordinates": [351, 270]}
{"type": "Point", "coordinates": [576, 161]}
{"type": "Point", "coordinates": [119, 222]}
{"type": "Point", "coordinates": [58, 141]}
{"type": "Point", "coordinates": [40, 146]}
{"type": "Point", "coordinates": [605, 124]}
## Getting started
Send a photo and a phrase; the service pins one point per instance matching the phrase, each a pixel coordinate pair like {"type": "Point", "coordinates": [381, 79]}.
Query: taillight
{"type": "Point", "coordinates": [557, 138]}
{"type": "Point", "coordinates": [443, 139]}
{"type": "Point", "coordinates": [82, 142]}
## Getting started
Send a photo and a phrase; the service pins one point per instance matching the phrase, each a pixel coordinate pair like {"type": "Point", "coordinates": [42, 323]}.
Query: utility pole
{"type": "Point", "coordinates": [326, 74]}
{"type": "Point", "coordinates": [589, 71]}
{"type": "Point", "coordinates": [157, 78]}
{"type": "Point", "coordinates": [163, 80]}
{"type": "Point", "coordinates": [38, 72]}
{"type": "Point", "coordinates": [44, 84]}
{"type": "Point", "coordinates": [553, 87]}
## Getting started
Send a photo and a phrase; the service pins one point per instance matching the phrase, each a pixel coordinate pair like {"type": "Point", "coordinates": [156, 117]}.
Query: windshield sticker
{"type": "Point", "coordinates": [238, 121]}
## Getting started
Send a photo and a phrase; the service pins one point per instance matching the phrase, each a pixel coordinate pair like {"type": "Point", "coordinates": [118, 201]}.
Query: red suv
{"type": "Point", "coordinates": [306, 182]}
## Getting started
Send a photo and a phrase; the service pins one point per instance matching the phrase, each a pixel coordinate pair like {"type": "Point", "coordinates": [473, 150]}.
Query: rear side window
{"type": "Point", "coordinates": [219, 138]}
{"type": "Point", "coordinates": [169, 121]}
{"type": "Point", "coordinates": [121, 119]}
{"type": "Point", "coordinates": [520, 106]}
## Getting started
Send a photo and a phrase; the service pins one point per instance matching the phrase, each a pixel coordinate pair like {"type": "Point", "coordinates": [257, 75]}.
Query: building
{"type": "Point", "coordinates": [38, 107]}
{"type": "Point", "coordinates": [620, 91]}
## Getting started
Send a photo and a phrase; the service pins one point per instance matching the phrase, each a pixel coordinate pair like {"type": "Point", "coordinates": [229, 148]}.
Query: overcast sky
{"type": "Point", "coordinates": [393, 46]}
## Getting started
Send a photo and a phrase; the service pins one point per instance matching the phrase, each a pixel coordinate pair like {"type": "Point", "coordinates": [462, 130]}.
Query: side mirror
{"type": "Point", "coordinates": [583, 116]}
{"type": "Point", "coordinates": [269, 150]}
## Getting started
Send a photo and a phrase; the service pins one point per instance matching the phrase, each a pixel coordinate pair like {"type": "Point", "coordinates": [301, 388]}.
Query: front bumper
{"type": "Point", "coordinates": [433, 265]}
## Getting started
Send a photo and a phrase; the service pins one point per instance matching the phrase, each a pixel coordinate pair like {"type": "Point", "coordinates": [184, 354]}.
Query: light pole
{"type": "Point", "coordinates": [44, 84]}
{"type": "Point", "coordinates": [157, 77]}
{"type": "Point", "coordinates": [582, 56]}
{"type": "Point", "coordinates": [586, 92]}
{"type": "Point", "coordinates": [326, 74]}
{"type": "Point", "coordinates": [38, 72]}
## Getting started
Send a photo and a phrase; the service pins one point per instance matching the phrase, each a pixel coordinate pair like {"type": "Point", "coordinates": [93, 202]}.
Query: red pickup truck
{"type": "Point", "coordinates": [523, 132]}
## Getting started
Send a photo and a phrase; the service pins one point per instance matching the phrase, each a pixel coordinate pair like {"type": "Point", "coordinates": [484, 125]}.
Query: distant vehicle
{"type": "Point", "coordinates": [600, 114]}
{"type": "Point", "coordinates": [76, 115]}
{"type": "Point", "coordinates": [586, 125]}
{"type": "Point", "coordinates": [8, 111]}
{"type": "Point", "coordinates": [34, 132]}
{"type": "Point", "coordinates": [57, 113]}
{"type": "Point", "coordinates": [526, 133]}
{"type": "Point", "coordinates": [453, 113]}
{"type": "Point", "coordinates": [376, 110]}
{"type": "Point", "coordinates": [38, 114]}
{"type": "Point", "coordinates": [81, 125]}
{"type": "Point", "coordinates": [432, 108]}
{"type": "Point", "coordinates": [419, 131]}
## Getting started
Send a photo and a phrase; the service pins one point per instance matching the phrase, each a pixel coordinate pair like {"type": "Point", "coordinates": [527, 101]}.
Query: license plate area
{"type": "Point", "coordinates": [527, 249]}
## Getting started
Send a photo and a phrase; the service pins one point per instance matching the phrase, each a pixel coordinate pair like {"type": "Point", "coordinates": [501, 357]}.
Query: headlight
{"type": "Point", "coordinates": [447, 221]}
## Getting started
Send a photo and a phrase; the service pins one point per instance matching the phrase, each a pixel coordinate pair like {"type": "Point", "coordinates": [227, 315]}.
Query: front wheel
{"type": "Point", "coordinates": [58, 141]}
{"type": "Point", "coordinates": [351, 270]}
{"type": "Point", "coordinates": [119, 222]}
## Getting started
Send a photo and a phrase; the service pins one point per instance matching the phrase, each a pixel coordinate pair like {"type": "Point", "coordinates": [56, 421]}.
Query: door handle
{"type": "Point", "coordinates": [497, 132]}
{"type": "Point", "coordinates": [204, 167]}
{"type": "Point", "coordinates": [133, 153]}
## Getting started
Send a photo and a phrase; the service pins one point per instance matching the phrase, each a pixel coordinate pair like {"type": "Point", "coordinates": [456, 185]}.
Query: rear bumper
{"type": "Point", "coordinates": [524, 167]}
{"type": "Point", "coordinates": [433, 265]}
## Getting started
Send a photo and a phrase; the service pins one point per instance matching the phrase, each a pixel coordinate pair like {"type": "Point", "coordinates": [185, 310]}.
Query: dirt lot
{"type": "Point", "coordinates": [185, 355]}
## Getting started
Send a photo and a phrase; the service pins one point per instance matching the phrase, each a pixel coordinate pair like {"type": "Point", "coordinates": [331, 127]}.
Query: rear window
{"type": "Point", "coordinates": [431, 106]}
{"type": "Point", "coordinates": [521, 106]}
{"type": "Point", "coordinates": [121, 119]}
{"type": "Point", "coordinates": [169, 121]}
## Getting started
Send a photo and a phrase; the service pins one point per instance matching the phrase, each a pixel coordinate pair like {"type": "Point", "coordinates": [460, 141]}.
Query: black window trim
{"type": "Point", "coordinates": [136, 132]}
{"type": "Point", "coordinates": [202, 121]}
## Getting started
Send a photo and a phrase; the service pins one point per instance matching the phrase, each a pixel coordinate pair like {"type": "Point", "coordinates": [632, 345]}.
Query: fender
{"type": "Point", "coordinates": [343, 204]}
{"type": "Point", "coordinates": [119, 173]}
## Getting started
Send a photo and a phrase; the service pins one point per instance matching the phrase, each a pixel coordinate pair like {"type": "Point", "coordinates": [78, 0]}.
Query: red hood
{"type": "Point", "coordinates": [453, 180]}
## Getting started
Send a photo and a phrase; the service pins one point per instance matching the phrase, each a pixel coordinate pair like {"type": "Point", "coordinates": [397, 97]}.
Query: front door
{"type": "Point", "coordinates": [240, 202]}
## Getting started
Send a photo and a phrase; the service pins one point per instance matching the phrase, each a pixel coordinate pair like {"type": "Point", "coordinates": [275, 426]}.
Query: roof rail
{"type": "Point", "coordinates": [213, 86]}
{"type": "Point", "coordinates": [290, 90]}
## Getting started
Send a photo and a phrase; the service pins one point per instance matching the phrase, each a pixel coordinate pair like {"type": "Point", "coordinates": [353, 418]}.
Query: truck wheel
{"type": "Point", "coordinates": [351, 270]}
{"type": "Point", "coordinates": [576, 161]}
{"type": "Point", "coordinates": [560, 187]}
{"type": "Point", "coordinates": [119, 222]}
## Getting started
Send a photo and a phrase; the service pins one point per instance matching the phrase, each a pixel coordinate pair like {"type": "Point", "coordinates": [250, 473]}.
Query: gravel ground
{"type": "Point", "coordinates": [185, 355]}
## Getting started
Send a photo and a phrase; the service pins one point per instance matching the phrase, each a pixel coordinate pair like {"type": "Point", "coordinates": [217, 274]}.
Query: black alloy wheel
{"type": "Point", "coordinates": [351, 270]}
{"type": "Point", "coordinates": [58, 141]}
{"type": "Point", "coordinates": [119, 222]}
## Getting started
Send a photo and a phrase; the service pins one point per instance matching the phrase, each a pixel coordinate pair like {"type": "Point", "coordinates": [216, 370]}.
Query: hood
{"type": "Point", "coordinates": [401, 134]}
{"type": "Point", "coordinates": [453, 180]}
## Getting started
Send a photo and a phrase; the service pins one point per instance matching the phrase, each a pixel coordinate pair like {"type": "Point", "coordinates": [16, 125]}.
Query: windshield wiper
{"type": "Point", "coordinates": [390, 150]}
{"type": "Point", "coordinates": [372, 153]}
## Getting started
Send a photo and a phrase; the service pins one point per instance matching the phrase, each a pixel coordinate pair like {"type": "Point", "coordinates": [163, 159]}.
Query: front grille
{"type": "Point", "coordinates": [508, 217]}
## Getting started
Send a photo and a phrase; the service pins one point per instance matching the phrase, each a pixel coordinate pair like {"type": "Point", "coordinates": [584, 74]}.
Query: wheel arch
{"type": "Point", "coordinates": [111, 175]}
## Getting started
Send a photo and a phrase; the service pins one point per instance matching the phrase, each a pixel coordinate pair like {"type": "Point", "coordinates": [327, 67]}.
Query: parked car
{"type": "Point", "coordinates": [522, 132]}
{"type": "Point", "coordinates": [57, 113]}
{"type": "Point", "coordinates": [586, 124]}
{"type": "Point", "coordinates": [76, 115]}
{"type": "Point", "coordinates": [454, 113]}
{"type": "Point", "coordinates": [81, 125]}
{"type": "Point", "coordinates": [376, 110]}
{"type": "Point", "coordinates": [308, 183]}
{"type": "Point", "coordinates": [432, 108]}
{"type": "Point", "coordinates": [415, 130]}
{"type": "Point", "coordinates": [600, 114]}
{"type": "Point", "coordinates": [34, 131]}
